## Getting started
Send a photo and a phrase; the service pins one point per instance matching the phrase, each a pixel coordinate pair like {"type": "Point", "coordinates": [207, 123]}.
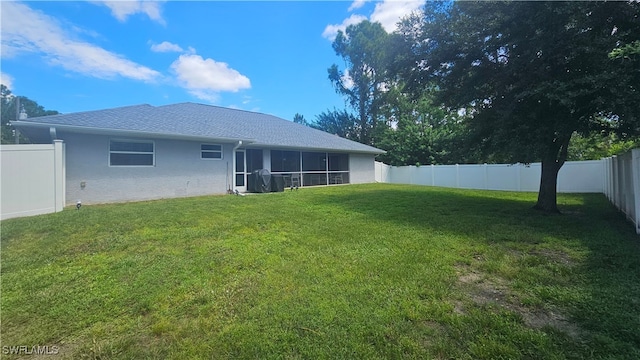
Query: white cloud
{"type": "Point", "coordinates": [331, 31]}
{"type": "Point", "coordinates": [206, 95]}
{"type": "Point", "coordinates": [6, 80]}
{"type": "Point", "coordinates": [121, 10]}
{"type": "Point", "coordinates": [387, 12]}
{"type": "Point", "coordinates": [357, 4]}
{"type": "Point", "coordinates": [166, 46]}
{"type": "Point", "coordinates": [25, 30]}
{"type": "Point", "coordinates": [205, 78]}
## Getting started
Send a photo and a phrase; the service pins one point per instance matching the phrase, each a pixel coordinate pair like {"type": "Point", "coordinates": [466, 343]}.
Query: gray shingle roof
{"type": "Point", "coordinates": [205, 121]}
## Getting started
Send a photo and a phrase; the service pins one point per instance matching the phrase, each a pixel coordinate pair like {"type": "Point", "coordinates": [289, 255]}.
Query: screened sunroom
{"type": "Point", "coordinates": [307, 168]}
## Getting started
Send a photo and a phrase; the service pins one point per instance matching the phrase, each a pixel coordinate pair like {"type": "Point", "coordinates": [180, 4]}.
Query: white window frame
{"type": "Point", "coordinates": [153, 153]}
{"type": "Point", "coordinates": [221, 151]}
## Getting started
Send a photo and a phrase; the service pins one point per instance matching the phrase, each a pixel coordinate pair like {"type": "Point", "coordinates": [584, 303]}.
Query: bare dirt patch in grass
{"type": "Point", "coordinates": [554, 256]}
{"type": "Point", "coordinates": [540, 319]}
{"type": "Point", "coordinates": [485, 291]}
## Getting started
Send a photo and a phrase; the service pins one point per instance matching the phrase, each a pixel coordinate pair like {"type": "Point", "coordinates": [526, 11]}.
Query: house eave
{"type": "Point", "coordinates": [125, 132]}
{"type": "Point", "coordinates": [56, 129]}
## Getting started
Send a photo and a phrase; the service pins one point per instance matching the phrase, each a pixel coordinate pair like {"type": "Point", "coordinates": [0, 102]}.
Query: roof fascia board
{"type": "Point", "coordinates": [120, 132]}
{"type": "Point", "coordinates": [328, 150]}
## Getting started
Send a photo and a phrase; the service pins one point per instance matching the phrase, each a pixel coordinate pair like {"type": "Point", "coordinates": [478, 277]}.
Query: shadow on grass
{"type": "Point", "coordinates": [459, 212]}
{"type": "Point", "coordinates": [610, 307]}
{"type": "Point", "coordinates": [599, 289]}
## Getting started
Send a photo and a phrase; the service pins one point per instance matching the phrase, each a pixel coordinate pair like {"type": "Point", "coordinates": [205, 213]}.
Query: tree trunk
{"type": "Point", "coordinates": [547, 196]}
{"type": "Point", "coordinates": [551, 164]}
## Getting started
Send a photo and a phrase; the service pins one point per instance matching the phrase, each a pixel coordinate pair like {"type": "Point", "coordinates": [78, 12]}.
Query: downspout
{"type": "Point", "coordinates": [53, 134]}
{"type": "Point", "coordinates": [16, 132]}
{"type": "Point", "coordinates": [20, 115]}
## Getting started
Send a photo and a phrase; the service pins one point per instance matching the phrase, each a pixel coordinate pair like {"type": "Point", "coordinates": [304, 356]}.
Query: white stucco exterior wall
{"type": "Point", "coordinates": [178, 171]}
{"type": "Point", "coordinates": [362, 168]}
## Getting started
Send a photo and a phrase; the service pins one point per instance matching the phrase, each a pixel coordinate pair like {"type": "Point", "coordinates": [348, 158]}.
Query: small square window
{"type": "Point", "coordinates": [211, 151]}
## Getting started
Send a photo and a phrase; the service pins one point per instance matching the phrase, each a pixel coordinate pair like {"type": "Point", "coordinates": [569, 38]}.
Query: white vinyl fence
{"type": "Point", "coordinates": [32, 179]}
{"type": "Point", "coordinates": [617, 177]}
{"type": "Point", "coordinates": [574, 176]}
{"type": "Point", "coordinates": [622, 184]}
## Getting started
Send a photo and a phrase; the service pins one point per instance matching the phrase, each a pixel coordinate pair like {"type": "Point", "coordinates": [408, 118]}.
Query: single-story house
{"type": "Point", "coordinates": [148, 152]}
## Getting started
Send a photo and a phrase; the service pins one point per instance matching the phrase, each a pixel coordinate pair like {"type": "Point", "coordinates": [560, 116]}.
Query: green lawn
{"type": "Point", "coordinates": [359, 271]}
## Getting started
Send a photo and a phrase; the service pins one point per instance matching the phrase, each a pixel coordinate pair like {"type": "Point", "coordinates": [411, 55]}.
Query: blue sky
{"type": "Point", "coordinates": [265, 56]}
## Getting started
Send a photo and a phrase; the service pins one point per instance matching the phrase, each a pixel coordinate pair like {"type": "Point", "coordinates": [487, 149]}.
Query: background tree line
{"type": "Point", "coordinates": [8, 103]}
{"type": "Point", "coordinates": [397, 100]}
{"type": "Point", "coordinates": [510, 81]}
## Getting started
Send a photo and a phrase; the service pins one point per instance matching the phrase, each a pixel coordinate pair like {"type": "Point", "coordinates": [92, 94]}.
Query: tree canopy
{"type": "Point", "coordinates": [299, 119]}
{"type": "Point", "coordinates": [337, 122]}
{"type": "Point", "coordinates": [364, 49]}
{"type": "Point", "coordinates": [419, 131]}
{"type": "Point", "coordinates": [532, 73]}
{"type": "Point", "coordinates": [8, 103]}
{"type": "Point", "coordinates": [411, 130]}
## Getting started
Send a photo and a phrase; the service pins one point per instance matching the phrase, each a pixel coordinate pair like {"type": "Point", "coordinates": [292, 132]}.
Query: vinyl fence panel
{"type": "Point", "coordinates": [33, 179]}
{"type": "Point", "coordinates": [576, 176]}
{"type": "Point", "coordinates": [622, 184]}
{"type": "Point", "coordinates": [382, 172]}
{"type": "Point", "coordinates": [581, 176]}
{"type": "Point", "coordinates": [618, 177]}
{"type": "Point", "coordinates": [472, 177]}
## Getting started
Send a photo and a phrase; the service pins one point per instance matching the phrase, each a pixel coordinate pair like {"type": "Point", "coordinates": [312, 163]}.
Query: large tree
{"type": "Point", "coordinates": [337, 122]}
{"type": "Point", "coordinates": [8, 103]}
{"type": "Point", "coordinates": [534, 73]}
{"type": "Point", "coordinates": [419, 131]}
{"type": "Point", "coordinates": [598, 145]}
{"type": "Point", "coordinates": [299, 119]}
{"type": "Point", "coordinates": [364, 49]}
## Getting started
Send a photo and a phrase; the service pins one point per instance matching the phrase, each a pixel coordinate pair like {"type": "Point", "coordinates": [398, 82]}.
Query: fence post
{"type": "Point", "coordinates": [433, 175]}
{"type": "Point", "coordinates": [605, 173]}
{"type": "Point", "coordinates": [608, 174]}
{"type": "Point", "coordinates": [457, 176]}
{"type": "Point", "coordinates": [614, 181]}
{"type": "Point", "coordinates": [635, 170]}
{"type": "Point", "coordinates": [59, 175]}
